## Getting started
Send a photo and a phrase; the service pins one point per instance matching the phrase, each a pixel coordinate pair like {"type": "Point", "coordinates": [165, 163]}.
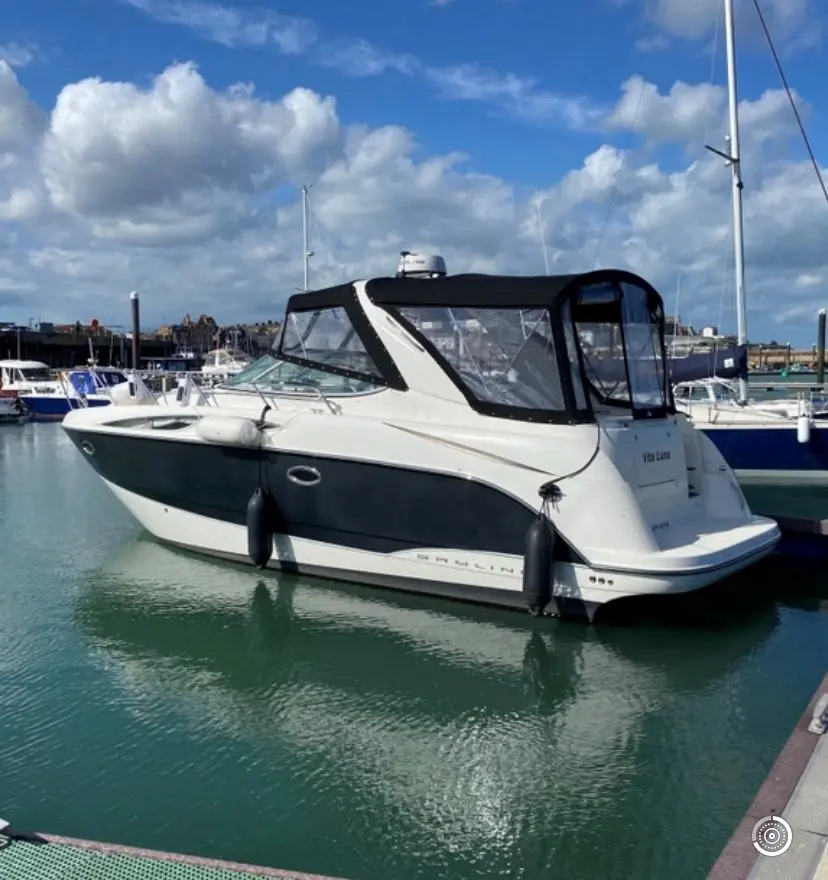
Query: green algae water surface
{"type": "Point", "coordinates": [153, 698]}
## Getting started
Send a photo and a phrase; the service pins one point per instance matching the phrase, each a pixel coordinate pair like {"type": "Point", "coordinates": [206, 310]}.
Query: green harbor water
{"type": "Point", "coordinates": [156, 699]}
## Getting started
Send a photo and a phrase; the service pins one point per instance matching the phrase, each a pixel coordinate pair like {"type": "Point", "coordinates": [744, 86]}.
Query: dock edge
{"type": "Point", "coordinates": [739, 856]}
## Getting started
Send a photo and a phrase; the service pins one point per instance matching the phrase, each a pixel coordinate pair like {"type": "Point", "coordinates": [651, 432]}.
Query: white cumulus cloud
{"type": "Point", "coordinates": [189, 194]}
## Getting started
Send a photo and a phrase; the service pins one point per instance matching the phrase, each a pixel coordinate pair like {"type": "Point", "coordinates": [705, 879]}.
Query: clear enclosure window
{"type": "Point", "coordinates": [645, 356]}
{"type": "Point", "coordinates": [601, 342]}
{"type": "Point", "coordinates": [621, 344]}
{"type": "Point", "coordinates": [503, 356]}
{"type": "Point", "coordinates": [326, 337]}
{"type": "Point", "coordinates": [572, 357]}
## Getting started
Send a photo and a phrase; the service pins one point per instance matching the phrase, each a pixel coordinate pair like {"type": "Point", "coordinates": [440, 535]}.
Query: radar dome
{"type": "Point", "coordinates": [420, 266]}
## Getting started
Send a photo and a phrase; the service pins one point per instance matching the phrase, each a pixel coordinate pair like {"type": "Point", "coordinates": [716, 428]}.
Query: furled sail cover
{"type": "Point", "coordinates": [726, 363]}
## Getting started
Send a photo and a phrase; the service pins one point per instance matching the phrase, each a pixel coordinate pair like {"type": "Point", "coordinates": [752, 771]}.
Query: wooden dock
{"type": "Point", "coordinates": [27, 856]}
{"type": "Point", "coordinates": [794, 801]}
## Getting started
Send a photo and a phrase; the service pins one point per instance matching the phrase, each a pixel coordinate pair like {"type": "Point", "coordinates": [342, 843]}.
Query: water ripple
{"type": "Point", "coordinates": [154, 698]}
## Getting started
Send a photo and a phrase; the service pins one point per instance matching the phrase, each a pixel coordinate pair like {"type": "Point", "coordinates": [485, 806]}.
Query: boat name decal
{"type": "Point", "coordinates": [653, 457]}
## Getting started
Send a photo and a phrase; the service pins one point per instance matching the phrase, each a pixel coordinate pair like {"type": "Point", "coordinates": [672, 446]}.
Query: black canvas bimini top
{"type": "Point", "coordinates": [470, 291]}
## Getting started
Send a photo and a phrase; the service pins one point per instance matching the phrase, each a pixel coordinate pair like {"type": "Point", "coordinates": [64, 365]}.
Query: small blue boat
{"type": "Point", "coordinates": [84, 387]}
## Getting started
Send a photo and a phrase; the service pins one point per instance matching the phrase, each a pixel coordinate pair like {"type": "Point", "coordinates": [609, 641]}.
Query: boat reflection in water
{"type": "Point", "coordinates": [364, 734]}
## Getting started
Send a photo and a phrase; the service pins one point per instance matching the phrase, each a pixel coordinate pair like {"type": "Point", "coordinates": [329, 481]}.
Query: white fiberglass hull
{"type": "Point", "coordinates": [487, 578]}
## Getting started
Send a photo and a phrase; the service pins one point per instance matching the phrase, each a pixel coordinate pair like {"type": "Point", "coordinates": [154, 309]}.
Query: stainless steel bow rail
{"type": "Point", "coordinates": [784, 833]}
{"type": "Point", "coordinates": [28, 856]}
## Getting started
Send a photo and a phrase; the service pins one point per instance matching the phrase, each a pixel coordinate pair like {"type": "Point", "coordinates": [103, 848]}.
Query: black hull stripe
{"type": "Point", "coordinates": [374, 507]}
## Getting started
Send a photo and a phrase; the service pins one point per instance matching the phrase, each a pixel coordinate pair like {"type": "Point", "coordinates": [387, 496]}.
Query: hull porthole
{"type": "Point", "coordinates": [302, 475]}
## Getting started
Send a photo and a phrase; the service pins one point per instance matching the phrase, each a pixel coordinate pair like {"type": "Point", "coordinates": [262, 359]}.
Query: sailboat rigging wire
{"type": "Point", "coordinates": [784, 79]}
{"type": "Point", "coordinates": [614, 192]}
{"type": "Point", "coordinates": [542, 234]}
{"type": "Point", "coordinates": [327, 256]}
{"type": "Point", "coordinates": [712, 69]}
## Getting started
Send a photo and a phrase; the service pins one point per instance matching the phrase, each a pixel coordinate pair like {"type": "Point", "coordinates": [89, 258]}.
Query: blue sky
{"type": "Point", "coordinates": [525, 89]}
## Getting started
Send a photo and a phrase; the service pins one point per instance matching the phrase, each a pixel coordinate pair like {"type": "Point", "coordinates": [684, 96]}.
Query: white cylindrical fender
{"type": "Point", "coordinates": [228, 430]}
{"type": "Point", "coordinates": [803, 429]}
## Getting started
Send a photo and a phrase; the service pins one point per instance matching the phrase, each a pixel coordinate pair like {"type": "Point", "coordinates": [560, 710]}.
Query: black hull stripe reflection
{"type": "Point", "coordinates": [360, 505]}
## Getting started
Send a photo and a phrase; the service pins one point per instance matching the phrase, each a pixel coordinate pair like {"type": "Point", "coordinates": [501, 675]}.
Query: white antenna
{"type": "Point", "coordinates": [542, 234]}
{"type": "Point", "coordinates": [733, 159]}
{"type": "Point", "coordinates": [306, 252]}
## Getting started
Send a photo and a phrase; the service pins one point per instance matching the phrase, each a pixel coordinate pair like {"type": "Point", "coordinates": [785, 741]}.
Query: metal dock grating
{"type": "Point", "coordinates": [42, 858]}
{"type": "Point", "coordinates": [37, 861]}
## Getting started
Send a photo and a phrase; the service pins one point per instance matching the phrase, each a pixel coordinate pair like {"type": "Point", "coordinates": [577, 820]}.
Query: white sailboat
{"type": "Point", "coordinates": [761, 440]}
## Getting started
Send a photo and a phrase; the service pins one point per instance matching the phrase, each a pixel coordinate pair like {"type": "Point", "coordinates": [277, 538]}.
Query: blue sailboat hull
{"type": "Point", "coordinates": [773, 453]}
{"type": "Point", "coordinates": [46, 408]}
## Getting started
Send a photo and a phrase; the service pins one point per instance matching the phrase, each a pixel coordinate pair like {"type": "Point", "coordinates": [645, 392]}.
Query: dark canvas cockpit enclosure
{"type": "Point", "coordinates": [544, 348]}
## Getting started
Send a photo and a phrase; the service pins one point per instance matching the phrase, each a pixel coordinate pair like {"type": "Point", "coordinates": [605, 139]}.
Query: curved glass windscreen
{"type": "Point", "coordinates": [90, 382]}
{"type": "Point", "coordinates": [620, 333]}
{"type": "Point", "coordinates": [271, 375]}
{"type": "Point", "coordinates": [503, 356]}
{"type": "Point", "coordinates": [316, 351]}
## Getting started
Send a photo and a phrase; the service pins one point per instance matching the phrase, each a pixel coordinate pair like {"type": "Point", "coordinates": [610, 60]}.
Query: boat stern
{"type": "Point", "coordinates": [693, 526]}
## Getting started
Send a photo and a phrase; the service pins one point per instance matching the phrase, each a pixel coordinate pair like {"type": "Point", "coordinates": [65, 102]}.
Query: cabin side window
{"type": "Point", "coordinates": [505, 357]}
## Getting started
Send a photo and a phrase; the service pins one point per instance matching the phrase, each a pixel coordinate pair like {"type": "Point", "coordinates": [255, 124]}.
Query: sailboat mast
{"type": "Point", "coordinates": [306, 252]}
{"type": "Point", "coordinates": [736, 175]}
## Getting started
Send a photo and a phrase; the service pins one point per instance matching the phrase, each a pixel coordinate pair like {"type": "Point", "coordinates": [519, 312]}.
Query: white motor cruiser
{"type": "Point", "coordinates": [507, 440]}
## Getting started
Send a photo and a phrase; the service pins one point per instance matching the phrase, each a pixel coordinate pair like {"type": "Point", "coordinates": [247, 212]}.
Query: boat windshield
{"type": "Point", "coordinates": [317, 350]}
{"type": "Point", "coordinates": [223, 357]}
{"type": "Point", "coordinates": [272, 375]}
{"type": "Point", "coordinates": [33, 374]}
{"type": "Point", "coordinates": [706, 392]}
{"type": "Point", "coordinates": [83, 382]}
{"type": "Point", "coordinates": [110, 378]}
{"type": "Point", "coordinates": [621, 336]}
